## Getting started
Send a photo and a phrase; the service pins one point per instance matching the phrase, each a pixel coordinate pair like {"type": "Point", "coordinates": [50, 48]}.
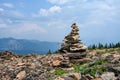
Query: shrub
{"type": "Point", "coordinates": [76, 68]}
{"type": "Point", "coordinates": [96, 69]}
{"type": "Point", "coordinates": [100, 61]}
{"type": "Point", "coordinates": [82, 69]}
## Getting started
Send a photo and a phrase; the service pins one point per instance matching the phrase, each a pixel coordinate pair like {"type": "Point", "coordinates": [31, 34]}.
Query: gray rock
{"type": "Point", "coordinates": [68, 78]}
{"type": "Point", "coordinates": [71, 42]}
{"type": "Point", "coordinates": [65, 64]}
{"type": "Point", "coordinates": [76, 55]}
{"type": "Point", "coordinates": [108, 76]}
{"type": "Point", "coordinates": [114, 68]}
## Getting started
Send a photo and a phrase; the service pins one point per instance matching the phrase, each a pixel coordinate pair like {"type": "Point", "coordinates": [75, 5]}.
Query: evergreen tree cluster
{"type": "Point", "coordinates": [104, 46]}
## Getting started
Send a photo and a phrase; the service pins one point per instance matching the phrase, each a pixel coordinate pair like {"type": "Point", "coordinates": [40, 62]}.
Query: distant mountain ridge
{"type": "Point", "coordinates": [24, 46]}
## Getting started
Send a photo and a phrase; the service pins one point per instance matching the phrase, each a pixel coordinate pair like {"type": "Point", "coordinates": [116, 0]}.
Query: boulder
{"type": "Point", "coordinates": [56, 63]}
{"type": "Point", "coordinates": [116, 70]}
{"type": "Point", "coordinates": [59, 78]}
{"type": "Point", "coordinates": [80, 61]}
{"type": "Point", "coordinates": [65, 64]}
{"type": "Point", "coordinates": [108, 76]}
{"type": "Point", "coordinates": [98, 79]}
{"type": "Point", "coordinates": [75, 76]}
{"type": "Point", "coordinates": [21, 75]}
{"type": "Point", "coordinates": [76, 55]}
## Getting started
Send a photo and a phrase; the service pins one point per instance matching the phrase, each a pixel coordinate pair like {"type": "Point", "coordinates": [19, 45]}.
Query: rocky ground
{"type": "Point", "coordinates": [95, 66]}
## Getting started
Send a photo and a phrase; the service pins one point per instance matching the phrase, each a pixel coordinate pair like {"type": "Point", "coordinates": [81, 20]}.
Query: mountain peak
{"type": "Point", "coordinates": [24, 46]}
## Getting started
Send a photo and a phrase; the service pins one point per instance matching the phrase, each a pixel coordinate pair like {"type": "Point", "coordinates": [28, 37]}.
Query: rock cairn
{"type": "Point", "coordinates": [72, 45]}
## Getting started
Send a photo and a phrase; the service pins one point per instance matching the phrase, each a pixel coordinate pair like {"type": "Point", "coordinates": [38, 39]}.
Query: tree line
{"type": "Point", "coordinates": [104, 46]}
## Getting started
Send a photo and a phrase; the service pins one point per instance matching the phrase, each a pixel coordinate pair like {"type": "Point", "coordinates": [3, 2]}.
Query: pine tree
{"type": "Point", "coordinates": [49, 52]}
{"type": "Point", "coordinates": [106, 46]}
{"type": "Point", "coordinates": [94, 46]}
{"type": "Point", "coordinates": [110, 45]}
{"type": "Point", "coordinates": [90, 47]}
{"type": "Point", "coordinates": [100, 46]}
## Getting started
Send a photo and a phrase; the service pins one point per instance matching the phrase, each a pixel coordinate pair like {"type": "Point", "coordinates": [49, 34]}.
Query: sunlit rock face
{"type": "Point", "coordinates": [72, 43]}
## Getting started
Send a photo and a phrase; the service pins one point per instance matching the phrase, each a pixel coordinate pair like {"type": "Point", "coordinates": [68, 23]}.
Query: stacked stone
{"type": "Point", "coordinates": [72, 42]}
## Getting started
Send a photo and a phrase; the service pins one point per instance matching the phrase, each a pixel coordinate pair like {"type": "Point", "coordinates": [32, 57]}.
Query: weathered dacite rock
{"type": "Point", "coordinates": [72, 45]}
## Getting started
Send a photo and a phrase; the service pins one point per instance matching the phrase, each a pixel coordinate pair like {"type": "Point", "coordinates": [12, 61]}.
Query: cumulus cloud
{"type": "Point", "coordinates": [48, 12]}
{"type": "Point", "coordinates": [58, 1]}
{"type": "Point", "coordinates": [105, 7]}
{"type": "Point", "coordinates": [27, 28]}
{"type": "Point", "coordinates": [88, 14]}
{"type": "Point", "coordinates": [11, 16]}
{"type": "Point", "coordinates": [9, 5]}
{"type": "Point", "coordinates": [1, 10]}
{"type": "Point", "coordinates": [102, 13]}
{"type": "Point", "coordinates": [92, 12]}
{"type": "Point", "coordinates": [52, 10]}
{"type": "Point", "coordinates": [3, 25]}
{"type": "Point", "coordinates": [24, 30]}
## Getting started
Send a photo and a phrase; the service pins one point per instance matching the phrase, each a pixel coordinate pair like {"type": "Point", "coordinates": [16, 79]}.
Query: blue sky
{"type": "Point", "coordinates": [50, 20]}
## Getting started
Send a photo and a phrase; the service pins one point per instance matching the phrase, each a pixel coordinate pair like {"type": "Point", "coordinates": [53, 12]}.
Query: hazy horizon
{"type": "Point", "coordinates": [50, 20]}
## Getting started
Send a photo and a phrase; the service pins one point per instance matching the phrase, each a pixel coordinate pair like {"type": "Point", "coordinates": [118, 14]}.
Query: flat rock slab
{"type": "Point", "coordinates": [80, 61]}
{"type": "Point", "coordinates": [78, 55]}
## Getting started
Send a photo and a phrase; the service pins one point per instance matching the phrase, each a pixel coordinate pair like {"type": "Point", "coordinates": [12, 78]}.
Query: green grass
{"type": "Point", "coordinates": [76, 68]}
{"type": "Point", "coordinates": [95, 69]}
{"type": "Point", "coordinates": [59, 71]}
{"type": "Point", "coordinates": [100, 62]}
{"type": "Point", "coordinates": [92, 70]}
{"type": "Point", "coordinates": [102, 51]}
{"type": "Point", "coordinates": [80, 68]}
{"type": "Point", "coordinates": [83, 69]}
{"type": "Point", "coordinates": [48, 75]}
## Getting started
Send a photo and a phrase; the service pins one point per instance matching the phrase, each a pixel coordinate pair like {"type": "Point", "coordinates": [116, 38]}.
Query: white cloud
{"type": "Point", "coordinates": [48, 12]}
{"type": "Point", "coordinates": [109, 1]}
{"type": "Point", "coordinates": [88, 14]}
{"type": "Point", "coordinates": [1, 10]}
{"type": "Point", "coordinates": [85, 12]}
{"type": "Point", "coordinates": [58, 1]}
{"type": "Point", "coordinates": [52, 10]}
{"type": "Point", "coordinates": [91, 12]}
{"type": "Point", "coordinates": [104, 6]}
{"type": "Point", "coordinates": [9, 5]}
{"type": "Point", "coordinates": [62, 2]}
{"type": "Point", "coordinates": [3, 25]}
{"type": "Point", "coordinates": [27, 28]}
{"type": "Point", "coordinates": [22, 30]}
{"type": "Point", "coordinates": [102, 13]}
{"type": "Point", "coordinates": [44, 12]}
{"type": "Point", "coordinates": [58, 24]}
